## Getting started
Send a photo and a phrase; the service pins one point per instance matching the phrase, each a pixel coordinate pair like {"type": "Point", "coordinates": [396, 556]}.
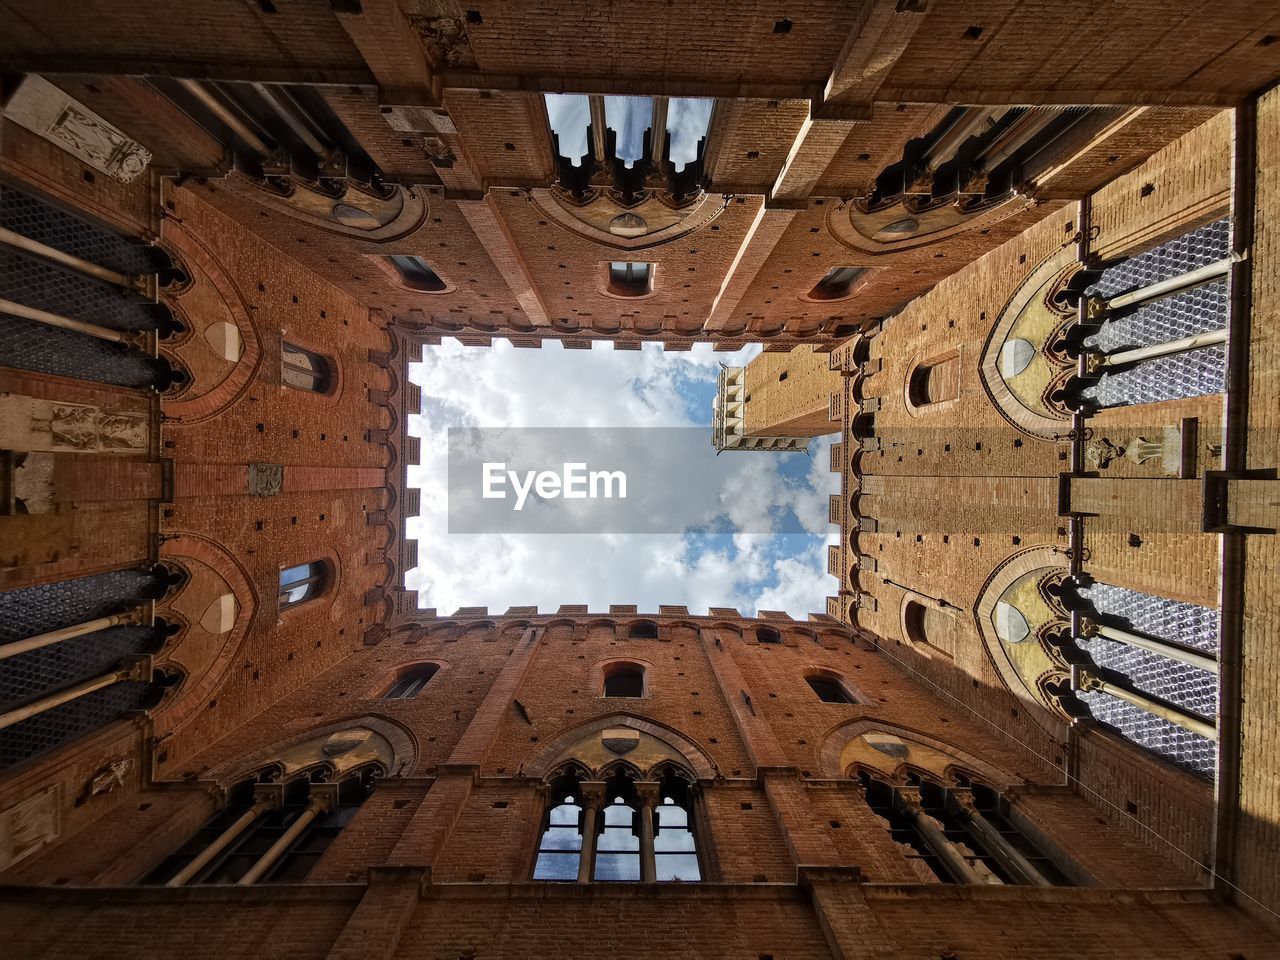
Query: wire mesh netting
{"type": "Point", "coordinates": [1189, 312]}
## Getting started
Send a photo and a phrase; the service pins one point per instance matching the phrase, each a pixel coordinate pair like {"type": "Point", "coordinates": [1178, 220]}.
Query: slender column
{"type": "Point", "coordinates": [647, 793]}
{"type": "Point", "coordinates": [134, 338]}
{"type": "Point", "coordinates": [219, 110]}
{"type": "Point", "coordinates": [265, 801]}
{"type": "Point", "coordinates": [658, 139]}
{"type": "Point", "coordinates": [960, 801]}
{"type": "Point", "coordinates": [952, 859]}
{"type": "Point", "coordinates": [139, 670]}
{"type": "Point", "coordinates": [1174, 651]}
{"type": "Point", "coordinates": [322, 797]}
{"type": "Point", "coordinates": [135, 616]}
{"type": "Point", "coordinates": [598, 127]}
{"type": "Point", "coordinates": [1095, 362]}
{"type": "Point", "coordinates": [17, 241]}
{"type": "Point", "coordinates": [1082, 679]}
{"type": "Point", "coordinates": [1181, 282]}
{"type": "Point", "coordinates": [592, 800]}
{"type": "Point", "coordinates": [284, 113]}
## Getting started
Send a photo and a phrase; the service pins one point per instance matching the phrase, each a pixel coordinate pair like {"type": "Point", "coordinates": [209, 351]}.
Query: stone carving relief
{"type": "Point", "coordinates": [265, 479]}
{"type": "Point", "coordinates": [44, 109]}
{"type": "Point", "coordinates": [36, 425]}
{"type": "Point", "coordinates": [29, 825]}
{"type": "Point", "coordinates": [446, 42]}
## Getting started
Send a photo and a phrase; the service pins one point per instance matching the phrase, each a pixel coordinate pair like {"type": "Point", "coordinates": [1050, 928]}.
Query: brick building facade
{"type": "Point", "coordinates": [1037, 719]}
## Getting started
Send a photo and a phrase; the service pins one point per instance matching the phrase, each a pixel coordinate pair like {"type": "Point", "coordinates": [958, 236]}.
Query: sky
{"type": "Point", "coordinates": [743, 565]}
{"type": "Point", "coordinates": [687, 120]}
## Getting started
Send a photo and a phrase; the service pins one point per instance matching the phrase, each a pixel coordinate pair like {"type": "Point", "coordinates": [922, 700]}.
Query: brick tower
{"type": "Point", "coordinates": [1017, 259]}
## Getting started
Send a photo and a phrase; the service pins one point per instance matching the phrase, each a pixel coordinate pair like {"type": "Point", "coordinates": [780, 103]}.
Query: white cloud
{"type": "Point", "coordinates": [551, 387]}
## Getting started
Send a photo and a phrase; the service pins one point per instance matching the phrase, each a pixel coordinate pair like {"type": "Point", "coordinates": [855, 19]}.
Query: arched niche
{"type": "Point", "coordinates": [222, 350]}
{"type": "Point", "coordinates": [342, 745]}
{"type": "Point", "coordinates": [1015, 615]}
{"type": "Point", "coordinates": [216, 604]}
{"type": "Point", "coordinates": [908, 223]}
{"type": "Point", "coordinates": [601, 743]}
{"type": "Point", "coordinates": [892, 750]}
{"type": "Point", "coordinates": [1023, 368]}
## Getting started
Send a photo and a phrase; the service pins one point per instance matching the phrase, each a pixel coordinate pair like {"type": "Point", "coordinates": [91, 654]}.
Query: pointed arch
{"type": "Point", "coordinates": [840, 750]}
{"type": "Point", "coordinates": [560, 748]}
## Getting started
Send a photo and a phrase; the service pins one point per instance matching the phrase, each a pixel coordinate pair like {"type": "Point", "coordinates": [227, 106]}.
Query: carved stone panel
{"type": "Point", "coordinates": [265, 479]}
{"type": "Point", "coordinates": [44, 109]}
{"type": "Point", "coordinates": [28, 825]}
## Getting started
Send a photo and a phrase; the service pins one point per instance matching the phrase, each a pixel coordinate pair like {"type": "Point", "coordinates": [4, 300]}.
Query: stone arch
{"type": "Point", "coordinates": [1020, 368]}
{"type": "Point", "coordinates": [387, 743]}
{"type": "Point", "coordinates": [571, 744]}
{"type": "Point", "coordinates": [217, 626]}
{"type": "Point", "coordinates": [1024, 663]}
{"type": "Point", "coordinates": [887, 748]}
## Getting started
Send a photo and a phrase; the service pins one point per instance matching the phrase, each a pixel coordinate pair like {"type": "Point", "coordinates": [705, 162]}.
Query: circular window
{"type": "Point", "coordinates": [351, 216]}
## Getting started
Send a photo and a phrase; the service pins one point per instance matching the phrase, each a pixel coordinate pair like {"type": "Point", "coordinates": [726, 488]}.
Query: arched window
{"type": "Point", "coordinates": [675, 849]}
{"type": "Point", "coordinates": [829, 689]}
{"type": "Point", "coordinates": [560, 845]}
{"type": "Point", "coordinates": [411, 681]}
{"type": "Point", "coordinates": [304, 370]}
{"type": "Point", "coordinates": [928, 627]}
{"type": "Point", "coordinates": [643, 630]}
{"type": "Point", "coordinates": [304, 582]}
{"type": "Point", "coordinates": [618, 843]}
{"type": "Point", "coordinates": [978, 843]}
{"type": "Point", "coordinates": [630, 279]}
{"type": "Point", "coordinates": [934, 381]}
{"type": "Point", "coordinates": [241, 843]}
{"type": "Point", "coordinates": [624, 680]}
{"type": "Point", "coordinates": [768, 635]}
{"type": "Point", "coordinates": [416, 274]}
{"type": "Point", "coordinates": [836, 284]}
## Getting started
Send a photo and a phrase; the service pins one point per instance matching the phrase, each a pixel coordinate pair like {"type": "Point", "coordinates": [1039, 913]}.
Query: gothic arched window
{"type": "Point", "coordinates": [618, 843]}
{"type": "Point", "coordinates": [411, 681]}
{"type": "Point", "coordinates": [416, 274]}
{"type": "Point", "coordinates": [304, 370]}
{"type": "Point", "coordinates": [303, 582]}
{"type": "Point", "coordinates": [560, 845]}
{"type": "Point", "coordinates": [624, 680]}
{"type": "Point", "coordinates": [241, 844]}
{"type": "Point", "coordinates": [829, 689]}
{"type": "Point", "coordinates": [675, 848]}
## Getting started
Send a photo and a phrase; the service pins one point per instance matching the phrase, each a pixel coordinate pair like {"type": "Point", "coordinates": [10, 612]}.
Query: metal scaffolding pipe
{"type": "Point", "coordinates": [223, 113]}
{"type": "Point", "coordinates": [64, 323]}
{"type": "Point", "coordinates": [1184, 281]}
{"type": "Point", "coordinates": [67, 633]}
{"type": "Point", "coordinates": [18, 242]}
